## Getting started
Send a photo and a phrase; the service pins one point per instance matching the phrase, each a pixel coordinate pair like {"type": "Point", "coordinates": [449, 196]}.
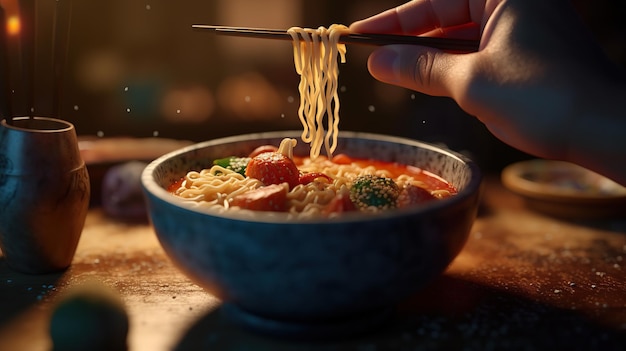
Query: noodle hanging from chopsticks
{"type": "Point", "coordinates": [315, 59]}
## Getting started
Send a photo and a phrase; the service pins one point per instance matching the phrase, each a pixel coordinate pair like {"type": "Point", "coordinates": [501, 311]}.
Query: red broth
{"type": "Point", "coordinates": [431, 181]}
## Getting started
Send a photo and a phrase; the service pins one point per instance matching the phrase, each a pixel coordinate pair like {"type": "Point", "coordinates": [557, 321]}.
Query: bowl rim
{"type": "Point", "coordinates": [150, 187]}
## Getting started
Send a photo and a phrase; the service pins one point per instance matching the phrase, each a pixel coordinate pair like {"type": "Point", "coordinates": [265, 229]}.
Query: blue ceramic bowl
{"type": "Point", "coordinates": [280, 272]}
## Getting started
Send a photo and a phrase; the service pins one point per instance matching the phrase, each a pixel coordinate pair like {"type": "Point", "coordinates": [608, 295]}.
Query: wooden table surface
{"type": "Point", "coordinates": [523, 281]}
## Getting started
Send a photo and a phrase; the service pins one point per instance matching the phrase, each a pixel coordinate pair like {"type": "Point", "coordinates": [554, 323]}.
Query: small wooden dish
{"type": "Point", "coordinates": [565, 190]}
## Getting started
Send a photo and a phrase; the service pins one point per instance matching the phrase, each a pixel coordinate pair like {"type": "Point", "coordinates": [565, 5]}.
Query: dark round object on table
{"type": "Point", "coordinates": [90, 316]}
{"type": "Point", "coordinates": [122, 197]}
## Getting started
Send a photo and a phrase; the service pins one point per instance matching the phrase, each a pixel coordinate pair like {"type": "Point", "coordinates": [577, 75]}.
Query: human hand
{"type": "Point", "coordinates": [539, 81]}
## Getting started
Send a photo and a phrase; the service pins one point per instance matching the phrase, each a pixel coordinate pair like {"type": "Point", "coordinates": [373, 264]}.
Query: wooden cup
{"type": "Point", "coordinates": [44, 194]}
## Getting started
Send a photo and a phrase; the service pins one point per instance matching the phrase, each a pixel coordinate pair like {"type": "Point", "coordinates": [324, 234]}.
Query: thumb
{"type": "Point", "coordinates": [429, 71]}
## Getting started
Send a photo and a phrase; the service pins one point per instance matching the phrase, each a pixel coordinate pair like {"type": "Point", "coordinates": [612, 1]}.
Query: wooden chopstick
{"type": "Point", "coordinates": [461, 45]}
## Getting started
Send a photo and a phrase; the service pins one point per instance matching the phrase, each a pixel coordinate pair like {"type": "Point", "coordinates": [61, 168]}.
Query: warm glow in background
{"type": "Point", "coordinates": [13, 25]}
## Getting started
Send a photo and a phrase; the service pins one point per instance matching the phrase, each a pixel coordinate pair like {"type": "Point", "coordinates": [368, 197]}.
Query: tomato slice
{"type": "Point", "coordinates": [306, 178]}
{"type": "Point", "coordinates": [268, 198]}
{"type": "Point", "coordinates": [413, 195]}
{"type": "Point", "coordinates": [340, 204]}
{"type": "Point", "coordinates": [273, 168]}
{"type": "Point", "coordinates": [342, 159]}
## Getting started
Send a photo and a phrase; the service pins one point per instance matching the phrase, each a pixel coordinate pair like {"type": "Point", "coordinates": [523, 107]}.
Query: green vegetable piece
{"type": "Point", "coordinates": [370, 192]}
{"type": "Point", "coordinates": [234, 163]}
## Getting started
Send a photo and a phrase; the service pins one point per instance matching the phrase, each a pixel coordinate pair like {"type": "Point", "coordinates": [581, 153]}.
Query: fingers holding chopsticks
{"type": "Point", "coordinates": [424, 16]}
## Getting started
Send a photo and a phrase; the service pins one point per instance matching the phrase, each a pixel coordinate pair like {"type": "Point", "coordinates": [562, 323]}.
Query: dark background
{"type": "Point", "coordinates": [136, 68]}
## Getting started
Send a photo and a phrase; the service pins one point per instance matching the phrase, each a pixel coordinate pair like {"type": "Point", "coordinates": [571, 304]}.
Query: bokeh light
{"type": "Point", "coordinates": [13, 25]}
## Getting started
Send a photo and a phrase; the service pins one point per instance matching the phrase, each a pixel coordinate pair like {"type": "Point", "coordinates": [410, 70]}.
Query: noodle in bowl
{"type": "Point", "coordinates": [303, 271]}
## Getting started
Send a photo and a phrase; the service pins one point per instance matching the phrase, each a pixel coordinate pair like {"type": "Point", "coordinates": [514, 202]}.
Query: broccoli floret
{"type": "Point", "coordinates": [370, 192]}
{"type": "Point", "coordinates": [234, 163]}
